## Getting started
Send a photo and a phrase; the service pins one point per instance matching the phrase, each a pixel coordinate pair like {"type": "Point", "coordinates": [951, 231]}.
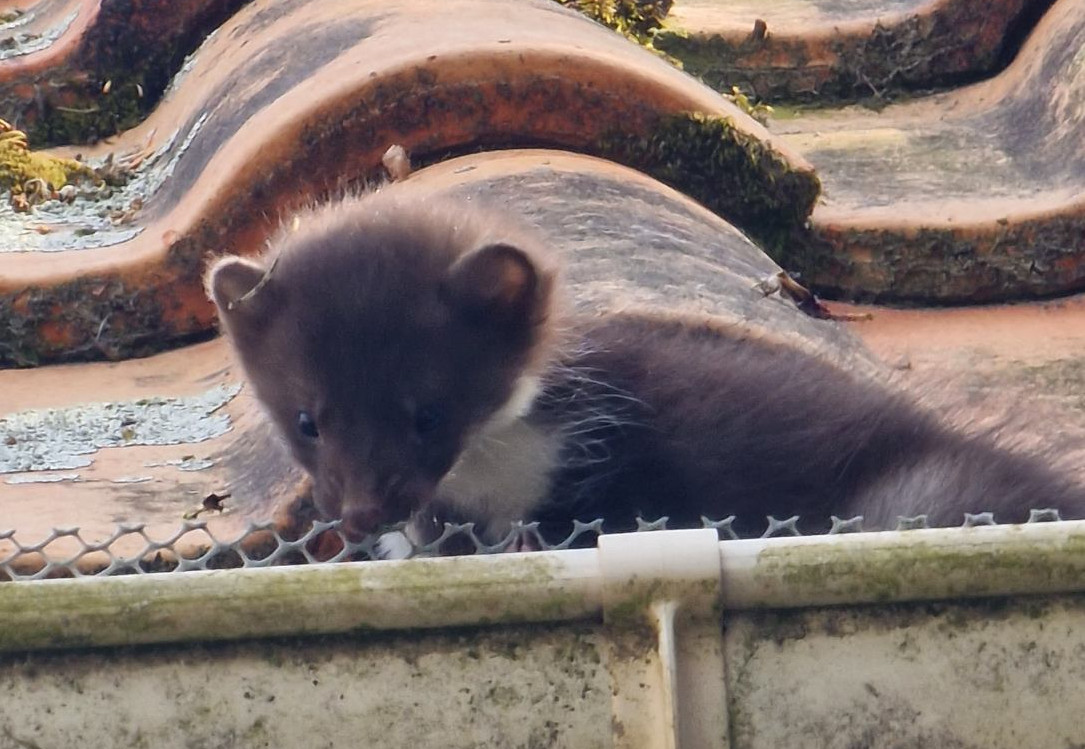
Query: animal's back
{"type": "Point", "coordinates": [399, 346]}
{"type": "Point", "coordinates": [701, 421]}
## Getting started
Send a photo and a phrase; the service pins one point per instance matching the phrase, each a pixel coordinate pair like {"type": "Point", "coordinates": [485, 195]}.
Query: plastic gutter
{"type": "Point", "coordinates": [618, 580]}
{"type": "Point", "coordinates": [660, 598]}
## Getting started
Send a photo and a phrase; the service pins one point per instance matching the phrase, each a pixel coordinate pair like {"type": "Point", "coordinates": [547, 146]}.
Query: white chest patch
{"type": "Point", "coordinates": [518, 404]}
{"type": "Point", "coordinates": [507, 468]}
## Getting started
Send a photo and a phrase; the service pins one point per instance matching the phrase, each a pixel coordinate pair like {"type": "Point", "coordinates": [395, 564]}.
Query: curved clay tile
{"type": "Point", "coordinates": [818, 50]}
{"type": "Point", "coordinates": [627, 239]}
{"type": "Point", "coordinates": [291, 101]}
{"type": "Point", "coordinates": [73, 71]}
{"type": "Point", "coordinates": [971, 196]}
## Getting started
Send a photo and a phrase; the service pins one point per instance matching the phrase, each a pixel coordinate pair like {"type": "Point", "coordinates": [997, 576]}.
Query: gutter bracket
{"type": "Point", "coordinates": [662, 609]}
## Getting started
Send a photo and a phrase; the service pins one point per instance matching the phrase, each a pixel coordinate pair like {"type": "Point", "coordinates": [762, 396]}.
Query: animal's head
{"type": "Point", "coordinates": [380, 335]}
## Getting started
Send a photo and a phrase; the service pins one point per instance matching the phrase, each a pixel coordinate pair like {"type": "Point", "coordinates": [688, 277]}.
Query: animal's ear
{"type": "Point", "coordinates": [500, 283]}
{"type": "Point", "coordinates": [234, 285]}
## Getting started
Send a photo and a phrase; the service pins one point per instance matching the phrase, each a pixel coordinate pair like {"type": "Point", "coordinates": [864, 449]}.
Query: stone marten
{"type": "Point", "coordinates": [419, 359]}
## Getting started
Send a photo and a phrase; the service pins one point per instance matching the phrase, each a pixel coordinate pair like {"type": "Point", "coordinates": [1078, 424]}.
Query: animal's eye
{"type": "Point", "coordinates": [307, 426]}
{"type": "Point", "coordinates": [428, 419]}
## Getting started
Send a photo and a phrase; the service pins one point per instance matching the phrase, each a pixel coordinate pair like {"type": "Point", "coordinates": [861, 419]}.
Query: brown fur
{"type": "Point", "coordinates": [368, 314]}
{"type": "Point", "coordinates": [721, 425]}
{"type": "Point", "coordinates": [377, 313]}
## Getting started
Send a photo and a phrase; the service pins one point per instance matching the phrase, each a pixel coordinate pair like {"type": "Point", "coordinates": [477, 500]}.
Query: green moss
{"type": "Point", "coordinates": [89, 115]}
{"type": "Point", "coordinates": [124, 62]}
{"type": "Point", "coordinates": [731, 172]}
{"type": "Point", "coordinates": [721, 63]}
{"type": "Point", "coordinates": [637, 19]}
{"type": "Point", "coordinates": [1025, 259]}
{"type": "Point", "coordinates": [19, 165]}
{"type": "Point", "coordinates": [892, 62]}
{"type": "Point", "coordinates": [754, 107]}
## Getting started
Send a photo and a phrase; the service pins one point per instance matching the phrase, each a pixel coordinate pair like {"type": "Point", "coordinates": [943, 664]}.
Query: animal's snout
{"type": "Point", "coordinates": [360, 509]}
{"type": "Point", "coordinates": [366, 503]}
{"type": "Point", "coordinates": [363, 518]}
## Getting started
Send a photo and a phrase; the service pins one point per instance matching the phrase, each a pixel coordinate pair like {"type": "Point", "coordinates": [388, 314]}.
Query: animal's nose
{"type": "Point", "coordinates": [362, 518]}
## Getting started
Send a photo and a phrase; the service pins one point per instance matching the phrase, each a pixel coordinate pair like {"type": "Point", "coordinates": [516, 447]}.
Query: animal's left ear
{"type": "Point", "coordinates": [500, 283]}
{"type": "Point", "coordinates": [231, 280]}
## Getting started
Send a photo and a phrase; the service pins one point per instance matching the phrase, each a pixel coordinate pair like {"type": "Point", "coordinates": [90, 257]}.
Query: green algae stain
{"type": "Point", "coordinates": [921, 571]}
{"type": "Point", "coordinates": [442, 586]}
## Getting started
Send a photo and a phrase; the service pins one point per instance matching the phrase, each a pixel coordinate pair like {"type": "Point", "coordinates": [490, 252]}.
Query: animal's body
{"type": "Point", "coordinates": [417, 358]}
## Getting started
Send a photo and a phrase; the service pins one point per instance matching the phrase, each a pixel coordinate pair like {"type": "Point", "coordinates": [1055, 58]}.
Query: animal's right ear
{"type": "Point", "coordinates": [501, 284]}
{"type": "Point", "coordinates": [238, 288]}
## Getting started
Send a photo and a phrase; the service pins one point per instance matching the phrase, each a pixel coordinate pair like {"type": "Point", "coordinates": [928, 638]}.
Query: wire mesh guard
{"type": "Point", "coordinates": [130, 549]}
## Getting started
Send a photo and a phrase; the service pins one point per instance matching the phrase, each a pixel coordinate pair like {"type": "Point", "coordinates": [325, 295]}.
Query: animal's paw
{"type": "Point", "coordinates": [394, 545]}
